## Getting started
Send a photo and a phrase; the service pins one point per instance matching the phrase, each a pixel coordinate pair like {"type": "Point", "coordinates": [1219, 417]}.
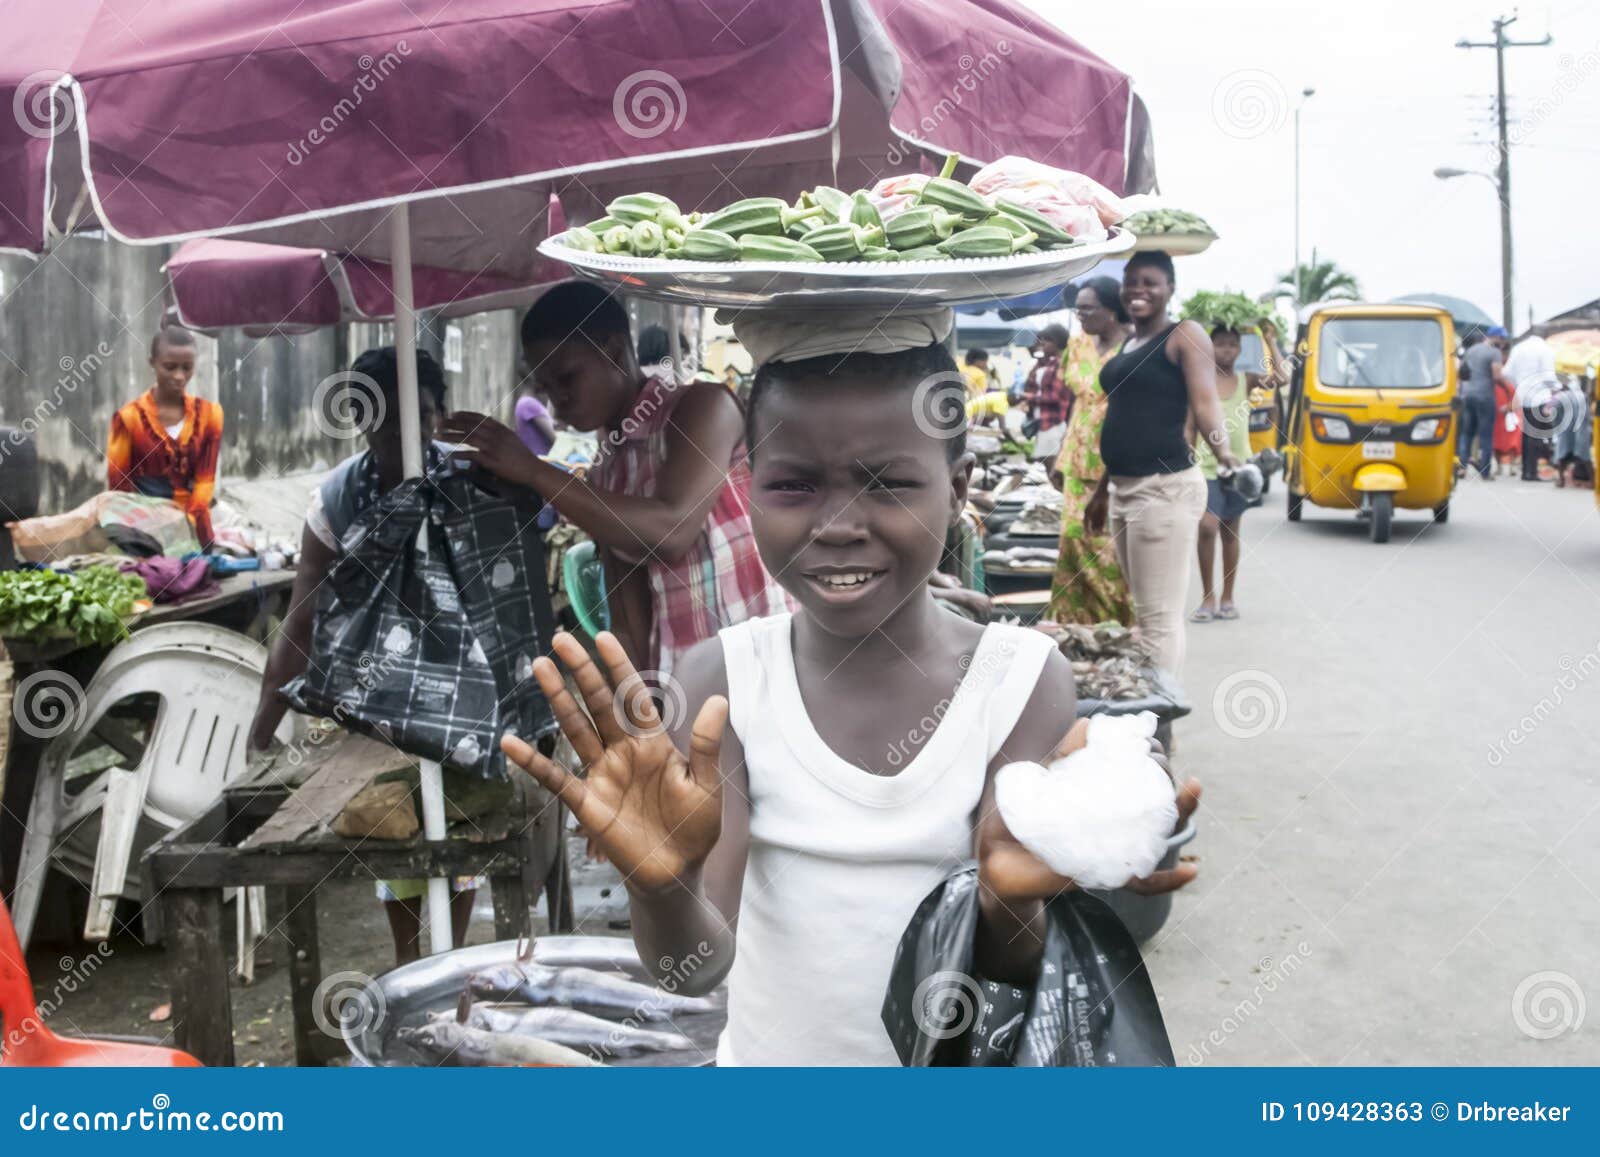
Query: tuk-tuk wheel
{"type": "Point", "coordinates": [1295, 502]}
{"type": "Point", "coordinates": [1441, 513]}
{"type": "Point", "coordinates": [1382, 515]}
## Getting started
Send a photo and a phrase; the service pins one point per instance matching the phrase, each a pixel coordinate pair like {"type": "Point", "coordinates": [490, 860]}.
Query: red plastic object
{"type": "Point", "coordinates": [26, 1043]}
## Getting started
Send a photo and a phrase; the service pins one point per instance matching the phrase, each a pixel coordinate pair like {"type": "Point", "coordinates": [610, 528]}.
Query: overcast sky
{"type": "Point", "coordinates": [1395, 99]}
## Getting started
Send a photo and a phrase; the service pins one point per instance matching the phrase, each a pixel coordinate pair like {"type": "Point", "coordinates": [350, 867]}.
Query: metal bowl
{"type": "Point", "coordinates": [881, 285]}
{"type": "Point", "coordinates": [405, 997]}
{"type": "Point", "coordinates": [1144, 915]}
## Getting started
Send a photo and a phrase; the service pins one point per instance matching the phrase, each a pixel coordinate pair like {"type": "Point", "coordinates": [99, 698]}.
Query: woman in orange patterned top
{"type": "Point", "coordinates": [165, 442]}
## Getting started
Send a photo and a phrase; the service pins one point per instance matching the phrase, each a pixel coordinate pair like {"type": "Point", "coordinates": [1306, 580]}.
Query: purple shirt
{"type": "Point", "coordinates": [529, 410]}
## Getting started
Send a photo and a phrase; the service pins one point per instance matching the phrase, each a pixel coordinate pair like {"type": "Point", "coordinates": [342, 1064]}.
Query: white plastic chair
{"type": "Point", "coordinates": [208, 680]}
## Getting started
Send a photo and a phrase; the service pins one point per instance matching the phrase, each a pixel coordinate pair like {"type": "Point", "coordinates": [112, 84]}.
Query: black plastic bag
{"type": "Point", "coordinates": [1092, 1004]}
{"type": "Point", "coordinates": [434, 653]}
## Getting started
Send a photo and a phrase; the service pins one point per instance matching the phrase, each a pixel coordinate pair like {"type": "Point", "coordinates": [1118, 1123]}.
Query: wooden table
{"type": "Point", "coordinates": [263, 831]}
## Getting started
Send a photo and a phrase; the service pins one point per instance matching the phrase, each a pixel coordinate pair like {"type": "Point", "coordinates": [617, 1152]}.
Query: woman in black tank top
{"type": "Point", "coordinates": [1162, 372]}
{"type": "Point", "coordinates": [1152, 493]}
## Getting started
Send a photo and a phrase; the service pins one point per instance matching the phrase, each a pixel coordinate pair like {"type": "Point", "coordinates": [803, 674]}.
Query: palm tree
{"type": "Point", "coordinates": [1317, 281]}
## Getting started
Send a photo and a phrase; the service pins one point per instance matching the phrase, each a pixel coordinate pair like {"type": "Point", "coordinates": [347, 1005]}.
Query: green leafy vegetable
{"type": "Point", "coordinates": [89, 605]}
{"type": "Point", "coordinates": [1225, 310]}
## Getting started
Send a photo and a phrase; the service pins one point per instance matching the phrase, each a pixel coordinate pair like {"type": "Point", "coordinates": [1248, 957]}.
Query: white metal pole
{"type": "Point", "coordinates": [1305, 94]}
{"type": "Point", "coordinates": [405, 348]}
{"type": "Point", "coordinates": [1296, 265]}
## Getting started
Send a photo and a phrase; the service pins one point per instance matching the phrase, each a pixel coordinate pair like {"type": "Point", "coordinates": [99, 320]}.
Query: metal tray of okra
{"type": "Point", "coordinates": [882, 285]}
{"type": "Point", "coordinates": [643, 1026]}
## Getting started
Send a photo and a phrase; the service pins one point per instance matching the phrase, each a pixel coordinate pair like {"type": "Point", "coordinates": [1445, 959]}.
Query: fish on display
{"type": "Point", "coordinates": [577, 1030]}
{"type": "Point", "coordinates": [447, 1043]}
{"type": "Point", "coordinates": [584, 989]}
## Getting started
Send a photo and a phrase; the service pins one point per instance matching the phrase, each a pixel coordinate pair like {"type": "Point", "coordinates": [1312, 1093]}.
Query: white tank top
{"type": "Point", "coordinates": [839, 857]}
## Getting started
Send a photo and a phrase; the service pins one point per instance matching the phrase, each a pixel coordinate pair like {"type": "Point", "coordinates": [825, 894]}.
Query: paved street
{"type": "Point", "coordinates": [1377, 878]}
{"type": "Point", "coordinates": [1401, 827]}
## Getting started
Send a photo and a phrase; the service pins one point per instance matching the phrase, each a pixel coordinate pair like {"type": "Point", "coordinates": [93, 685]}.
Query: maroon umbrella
{"type": "Point", "coordinates": [215, 284]}
{"type": "Point", "coordinates": [303, 125]}
{"type": "Point", "coordinates": [434, 132]}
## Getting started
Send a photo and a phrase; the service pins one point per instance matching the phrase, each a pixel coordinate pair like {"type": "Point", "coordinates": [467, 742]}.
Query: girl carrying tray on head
{"type": "Point", "coordinates": [823, 770]}
{"type": "Point", "coordinates": [666, 503]}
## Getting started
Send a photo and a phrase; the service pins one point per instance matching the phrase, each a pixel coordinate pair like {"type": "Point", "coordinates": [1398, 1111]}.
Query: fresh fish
{"type": "Point", "coordinates": [584, 989]}
{"type": "Point", "coordinates": [448, 1043]}
{"type": "Point", "coordinates": [577, 1030]}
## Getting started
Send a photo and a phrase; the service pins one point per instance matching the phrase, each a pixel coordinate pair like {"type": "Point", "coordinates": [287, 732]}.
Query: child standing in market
{"type": "Point", "coordinates": [166, 442]}
{"type": "Point", "coordinates": [1224, 506]}
{"type": "Point", "coordinates": [779, 819]}
{"type": "Point", "coordinates": [1507, 428]}
{"type": "Point", "coordinates": [667, 501]}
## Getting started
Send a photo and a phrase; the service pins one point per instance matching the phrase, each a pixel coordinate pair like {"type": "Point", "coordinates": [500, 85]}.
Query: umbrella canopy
{"type": "Point", "coordinates": [1045, 300]}
{"type": "Point", "coordinates": [988, 331]}
{"type": "Point", "coordinates": [1577, 350]}
{"type": "Point", "coordinates": [1461, 311]}
{"type": "Point", "coordinates": [165, 122]}
{"type": "Point", "coordinates": [276, 289]}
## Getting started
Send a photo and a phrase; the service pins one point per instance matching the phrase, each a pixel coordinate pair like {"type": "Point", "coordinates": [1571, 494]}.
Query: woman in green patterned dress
{"type": "Point", "coordinates": [1088, 585]}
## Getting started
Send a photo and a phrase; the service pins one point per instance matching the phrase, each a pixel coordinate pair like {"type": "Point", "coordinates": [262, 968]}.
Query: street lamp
{"type": "Point", "coordinates": [1305, 95]}
{"type": "Point", "coordinates": [1445, 173]}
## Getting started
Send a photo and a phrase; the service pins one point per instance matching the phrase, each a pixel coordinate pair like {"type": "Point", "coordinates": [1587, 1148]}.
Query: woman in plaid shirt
{"type": "Point", "coordinates": [667, 503]}
{"type": "Point", "coordinates": [1048, 395]}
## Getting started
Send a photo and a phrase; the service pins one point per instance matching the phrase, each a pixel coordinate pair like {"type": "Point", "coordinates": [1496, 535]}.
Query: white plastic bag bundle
{"type": "Point", "coordinates": [1103, 814]}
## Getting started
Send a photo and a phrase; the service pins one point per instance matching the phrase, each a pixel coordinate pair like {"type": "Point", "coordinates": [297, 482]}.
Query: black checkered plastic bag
{"type": "Point", "coordinates": [1091, 1005]}
{"type": "Point", "coordinates": [434, 652]}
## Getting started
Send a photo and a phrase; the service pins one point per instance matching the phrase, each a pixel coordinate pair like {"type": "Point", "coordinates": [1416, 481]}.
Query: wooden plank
{"type": "Point", "coordinates": [558, 892]}
{"type": "Point", "coordinates": [319, 800]}
{"type": "Point", "coordinates": [202, 1017]}
{"type": "Point", "coordinates": [511, 908]}
{"type": "Point", "coordinates": [248, 812]}
{"type": "Point", "coordinates": [203, 829]}
{"type": "Point", "coordinates": [285, 765]}
{"type": "Point", "coordinates": [305, 970]}
{"type": "Point", "coordinates": [234, 588]}
{"type": "Point", "coordinates": [121, 738]}
{"type": "Point", "coordinates": [200, 866]}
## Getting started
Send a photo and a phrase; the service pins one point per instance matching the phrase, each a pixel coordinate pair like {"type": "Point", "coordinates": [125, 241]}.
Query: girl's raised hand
{"type": "Point", "coordinates": [655, 814]}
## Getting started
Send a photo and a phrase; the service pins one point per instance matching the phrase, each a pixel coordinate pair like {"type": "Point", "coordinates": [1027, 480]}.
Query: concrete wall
{"type": "Point", "coordinates": [74, 342]}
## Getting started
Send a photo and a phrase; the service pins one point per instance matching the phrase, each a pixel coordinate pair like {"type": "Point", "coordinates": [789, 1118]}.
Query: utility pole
{"type": "Point", "coordinates": [1305, 95]}
{"type": "Point", "coordinates": [1502, 178]}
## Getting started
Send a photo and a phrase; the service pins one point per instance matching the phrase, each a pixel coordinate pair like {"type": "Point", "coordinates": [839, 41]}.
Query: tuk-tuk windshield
{"type": "Point", "coordinates": [1389, 353]}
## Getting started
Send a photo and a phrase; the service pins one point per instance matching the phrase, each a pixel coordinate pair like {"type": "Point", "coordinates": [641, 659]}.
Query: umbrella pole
{"type": "Point", "coordinates": [405, 348]}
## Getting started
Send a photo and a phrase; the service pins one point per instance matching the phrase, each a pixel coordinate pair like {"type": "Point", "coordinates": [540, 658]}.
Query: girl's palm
{"type": "Point", "coordinates": [655, 813]}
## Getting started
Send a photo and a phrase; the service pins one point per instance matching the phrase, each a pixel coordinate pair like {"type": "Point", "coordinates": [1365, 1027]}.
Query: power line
{"type": "Point", "coordinates": [1503, 170]}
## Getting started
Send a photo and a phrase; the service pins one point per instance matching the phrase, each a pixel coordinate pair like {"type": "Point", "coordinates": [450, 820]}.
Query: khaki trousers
{"type": "Point", "coordinates": [1155, 522]}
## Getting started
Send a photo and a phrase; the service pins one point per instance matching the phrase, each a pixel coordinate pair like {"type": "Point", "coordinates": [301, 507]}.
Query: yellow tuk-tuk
{"type": "Point", "coordinates": [1372, 412]}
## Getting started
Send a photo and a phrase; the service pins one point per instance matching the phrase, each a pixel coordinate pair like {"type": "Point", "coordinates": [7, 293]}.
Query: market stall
{"type": "Point", "coordinates": [64, 611]}
{"type": "Point", "coordinates": [487, 196]}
